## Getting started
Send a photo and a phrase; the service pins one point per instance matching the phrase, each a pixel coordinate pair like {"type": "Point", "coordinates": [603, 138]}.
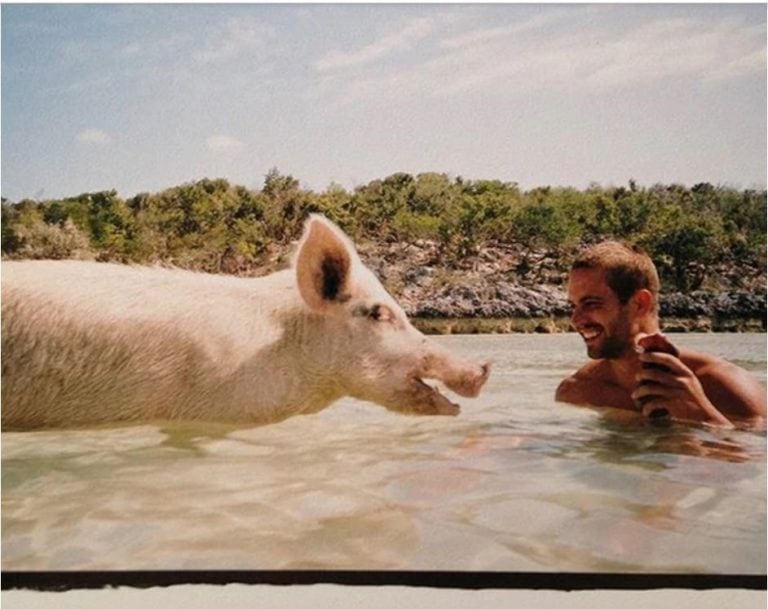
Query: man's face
{"type": "Point", "coordinates": [596, 313]}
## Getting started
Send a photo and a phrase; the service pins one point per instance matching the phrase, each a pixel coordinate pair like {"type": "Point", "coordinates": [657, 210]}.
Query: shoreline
{"type": "Point", "coordinates": [560, 325]}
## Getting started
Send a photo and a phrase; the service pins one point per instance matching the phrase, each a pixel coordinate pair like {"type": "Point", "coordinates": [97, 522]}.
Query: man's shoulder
{"type": "Point", "coordinates": [581, 386]}
{"type": "Point", "coordinates": [698, 360]}
{"type": "Point", "coordinates": [710, 368]}
{"type": "Point", "coordinates": [732, 389]}
{"type": "Point", "coordinates": [594, 370]}
{"type": "Point", "coordinates": [569, 389]}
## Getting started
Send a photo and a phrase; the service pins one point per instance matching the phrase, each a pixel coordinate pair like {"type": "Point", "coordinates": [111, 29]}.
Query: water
{"type": "Point", "coordinates": [515, 483]}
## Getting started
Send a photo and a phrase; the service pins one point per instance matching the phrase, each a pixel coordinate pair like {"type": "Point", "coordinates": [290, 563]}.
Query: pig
{"type": "Point", "coordinates": [90, 343]}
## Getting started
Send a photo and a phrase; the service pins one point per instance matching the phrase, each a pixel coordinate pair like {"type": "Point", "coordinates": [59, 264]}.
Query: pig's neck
{"type": "Point", "coordinates": [295, 373]}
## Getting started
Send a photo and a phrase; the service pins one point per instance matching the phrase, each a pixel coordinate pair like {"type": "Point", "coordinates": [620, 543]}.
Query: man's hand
{"type": "Point", "coordinates": [676, 390]}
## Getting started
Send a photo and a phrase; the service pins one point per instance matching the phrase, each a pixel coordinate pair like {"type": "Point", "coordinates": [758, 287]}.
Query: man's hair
{"type": "Point", "coordinates": [627, 268]}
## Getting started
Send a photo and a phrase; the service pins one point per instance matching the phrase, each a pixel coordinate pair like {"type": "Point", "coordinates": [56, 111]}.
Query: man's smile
{"type": "Point", "coordinates": [589, 334]}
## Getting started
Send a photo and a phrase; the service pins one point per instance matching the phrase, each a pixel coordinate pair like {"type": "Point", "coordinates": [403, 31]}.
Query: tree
{"type": "Point", "coordinates": [51, 241]}
{"type": "Point", "coordinates": [336, 203]}
{"type": "Point", "coordinates": [286, 205]}
{"type": "Point", "coordinates": [684, 245]}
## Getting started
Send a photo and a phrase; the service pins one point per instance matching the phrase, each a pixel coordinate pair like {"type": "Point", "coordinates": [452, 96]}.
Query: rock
{"type": "Point", "coordinates": [546, 326]}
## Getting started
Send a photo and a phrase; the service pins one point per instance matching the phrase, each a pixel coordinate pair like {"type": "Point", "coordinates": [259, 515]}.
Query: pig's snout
{"type": "Point", "coordinates": [469, 382]}
{"type": "Point", "coordinates": [420, 398]}
{"type": "Point", "coordinates": [461, 377]}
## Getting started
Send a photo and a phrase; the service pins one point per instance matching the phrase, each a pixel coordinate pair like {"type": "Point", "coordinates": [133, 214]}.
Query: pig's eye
{"type": "Point", "coordinates": [376, 312]}
{"type": "Point", "coordinates": [380, 312]}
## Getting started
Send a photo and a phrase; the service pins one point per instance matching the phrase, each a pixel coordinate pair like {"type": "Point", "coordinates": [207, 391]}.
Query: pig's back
{"type": "Point", "coordinates": [103, 336]}
{"type": "Point", "coordinates": [117, 291]}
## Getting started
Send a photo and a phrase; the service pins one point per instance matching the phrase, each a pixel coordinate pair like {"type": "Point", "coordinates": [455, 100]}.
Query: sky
{"type": "Point", "coordinates": [139, 98]}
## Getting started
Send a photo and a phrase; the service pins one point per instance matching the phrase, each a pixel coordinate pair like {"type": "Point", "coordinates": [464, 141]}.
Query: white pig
{"type": "Point", "coordinates": [87, 343]}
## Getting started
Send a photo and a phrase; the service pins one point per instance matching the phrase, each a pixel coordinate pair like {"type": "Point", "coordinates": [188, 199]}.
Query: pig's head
{"type": "Point", "coordinates": [368, 342]}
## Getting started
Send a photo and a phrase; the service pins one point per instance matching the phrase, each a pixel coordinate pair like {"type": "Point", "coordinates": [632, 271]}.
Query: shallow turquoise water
{"type": "Point", "coordinates": [516, 482]}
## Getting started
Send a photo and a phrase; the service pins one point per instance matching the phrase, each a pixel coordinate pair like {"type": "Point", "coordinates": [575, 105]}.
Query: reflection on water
{"type": "Point", "coordinates": [516, 482]}
{"type": "Point", "coordinates": [631, 437]}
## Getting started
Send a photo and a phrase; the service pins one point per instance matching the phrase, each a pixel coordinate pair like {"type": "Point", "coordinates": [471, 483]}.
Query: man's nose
{"type": "Point", "coordinates": [575, 316]}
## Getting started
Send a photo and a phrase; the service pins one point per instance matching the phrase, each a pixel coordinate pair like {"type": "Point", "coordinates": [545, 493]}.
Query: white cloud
{"type": "Point", "coordinates": [552, 52]}
{"type": "Point", "coordinates": [608, 58]}
{"type": "Point", "coordinates": [223, 143]}
{"type": "Point", "coordinates": [676, 48]}
{"type": "Point", "coordinates": [401, 40]}
{"type": "Point", "coordinates": [131, 49]}
{"type": "Point", "coordinates": [234, 38]}
{"type": "Point", "coordinates": [482, 35]}
{"type": "Point", "coordinates": [93, 136]}
{"type": "Point", "coordinates": [750, 63]}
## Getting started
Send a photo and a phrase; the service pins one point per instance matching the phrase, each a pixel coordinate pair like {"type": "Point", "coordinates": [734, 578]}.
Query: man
{"type": "Point", "coordinates": [613, 293]}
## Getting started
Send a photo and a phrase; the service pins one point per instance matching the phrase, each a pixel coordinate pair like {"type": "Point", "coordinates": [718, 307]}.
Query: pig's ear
{"type": "Point", "coordinates": [323, 264]}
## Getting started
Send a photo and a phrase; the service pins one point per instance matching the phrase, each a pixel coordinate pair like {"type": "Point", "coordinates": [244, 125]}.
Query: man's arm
{"type": "Point", "coordinates": [715, 391]}
{"type": "Point", "coordinates": [733, 390]}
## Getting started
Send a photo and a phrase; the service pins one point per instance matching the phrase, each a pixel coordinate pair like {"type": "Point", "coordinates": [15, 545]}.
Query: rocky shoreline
{"type": "Point", "coordinates": [506, 289]}
{"type": "Point", "coordinates": [461, 318]}
{"type": "Point", "coordinates": [522, 309]}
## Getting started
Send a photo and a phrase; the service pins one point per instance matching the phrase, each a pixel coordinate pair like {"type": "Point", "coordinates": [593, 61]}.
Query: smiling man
{"type": "Point", "coordinates": [613, 293]}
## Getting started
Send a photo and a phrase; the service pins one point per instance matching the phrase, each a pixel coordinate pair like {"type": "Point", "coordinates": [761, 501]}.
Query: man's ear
{"type": "Point", "coordinates": [644, 302]}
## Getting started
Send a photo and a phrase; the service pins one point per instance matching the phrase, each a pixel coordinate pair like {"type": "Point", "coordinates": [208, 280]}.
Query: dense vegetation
{"type": "Point", "coordinates": [215, 226]}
